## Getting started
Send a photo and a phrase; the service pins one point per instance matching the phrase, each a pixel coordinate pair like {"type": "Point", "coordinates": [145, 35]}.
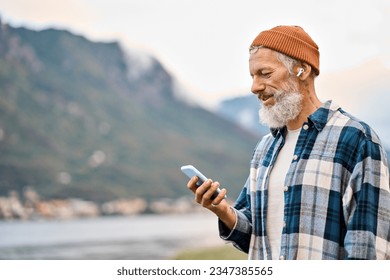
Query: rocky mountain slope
{"type": "Point", "coordinates": [90, 120]}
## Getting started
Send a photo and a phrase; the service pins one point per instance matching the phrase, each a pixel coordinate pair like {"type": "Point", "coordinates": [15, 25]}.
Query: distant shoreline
{"type": "Point", "coordinates": [32, 207]}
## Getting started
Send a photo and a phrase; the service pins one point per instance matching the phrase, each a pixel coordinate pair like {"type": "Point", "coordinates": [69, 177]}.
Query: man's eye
{"type": "Point", "coordinates": [266, 74]}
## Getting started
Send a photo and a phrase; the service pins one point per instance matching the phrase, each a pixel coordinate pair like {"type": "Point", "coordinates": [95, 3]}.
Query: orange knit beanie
{"type": "Point", "coordinates": [292, 41]}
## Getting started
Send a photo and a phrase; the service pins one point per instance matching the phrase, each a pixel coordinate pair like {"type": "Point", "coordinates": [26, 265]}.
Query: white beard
{"type": "Point", "coordinates": [288, 105]}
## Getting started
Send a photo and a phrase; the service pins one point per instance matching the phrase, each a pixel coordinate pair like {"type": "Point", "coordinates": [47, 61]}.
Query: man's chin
{"type": "Point", "coordinates": [286, 107]}
{"type": "Point", "coordinates": [270, 120]}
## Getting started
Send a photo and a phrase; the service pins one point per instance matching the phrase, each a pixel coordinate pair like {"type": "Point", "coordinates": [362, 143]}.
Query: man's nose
{"type": "Point", "coordinates": [258, 85]}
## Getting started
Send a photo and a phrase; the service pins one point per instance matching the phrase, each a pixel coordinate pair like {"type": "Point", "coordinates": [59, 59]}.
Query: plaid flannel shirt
{"type": "Point", "coordinates": [336, 195]}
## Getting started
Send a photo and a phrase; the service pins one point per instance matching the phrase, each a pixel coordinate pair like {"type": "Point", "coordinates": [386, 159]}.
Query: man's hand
{"type": "Point", "coordinates": [218, 205]}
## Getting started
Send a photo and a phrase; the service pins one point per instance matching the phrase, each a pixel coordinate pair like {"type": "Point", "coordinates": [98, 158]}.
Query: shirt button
{"type": "Point", "coordinates": [305, 127]}
{"type": "Point", "coordinates": [295, 157]}
{"type": "Point", "coordinates": [281, 258]}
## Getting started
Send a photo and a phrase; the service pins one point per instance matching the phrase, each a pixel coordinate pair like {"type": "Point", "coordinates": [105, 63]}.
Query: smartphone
{"type": "Point", "coordinates": [191, 171]}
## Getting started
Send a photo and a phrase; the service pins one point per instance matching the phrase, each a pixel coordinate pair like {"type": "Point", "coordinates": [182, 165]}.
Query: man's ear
{"type": "Point", "coordinates": [303, 71]}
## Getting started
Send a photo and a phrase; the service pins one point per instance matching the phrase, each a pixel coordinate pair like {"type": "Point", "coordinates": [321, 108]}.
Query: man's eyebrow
{"type": "Point", "coordinates": [262, 68]}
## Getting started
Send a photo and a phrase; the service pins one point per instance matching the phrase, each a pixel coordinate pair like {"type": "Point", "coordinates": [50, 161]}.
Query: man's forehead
{"type": "Point", "coordinates": [263, 56]}
{"type": "Point", "coordinates": [262, 51]}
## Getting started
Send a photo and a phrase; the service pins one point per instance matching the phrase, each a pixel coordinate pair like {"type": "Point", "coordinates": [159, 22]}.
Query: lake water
{"type": "Point", "coordinates": [146, 237]}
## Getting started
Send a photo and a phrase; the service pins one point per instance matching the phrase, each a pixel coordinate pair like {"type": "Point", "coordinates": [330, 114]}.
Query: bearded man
{"type": "Point", "coordinates": [318, 185]}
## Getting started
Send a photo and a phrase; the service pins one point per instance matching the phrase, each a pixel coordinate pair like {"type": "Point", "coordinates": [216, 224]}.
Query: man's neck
{"type": "Point", "coordinates": [310, 104]}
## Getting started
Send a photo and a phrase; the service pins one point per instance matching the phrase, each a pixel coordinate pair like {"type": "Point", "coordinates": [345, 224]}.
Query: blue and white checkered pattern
{"type": "Point", "coordinates": [336, 199]}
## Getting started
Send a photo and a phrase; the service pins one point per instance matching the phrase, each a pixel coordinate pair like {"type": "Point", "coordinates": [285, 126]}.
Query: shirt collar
{"type": "Point", "coordinates": [319, 118]}
{"type": "Point", "coordinates": [323, 114]}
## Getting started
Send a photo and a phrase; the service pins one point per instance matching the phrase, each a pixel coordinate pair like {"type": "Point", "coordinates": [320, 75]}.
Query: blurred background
{"type": "Point", "coordinates": [101, 102]}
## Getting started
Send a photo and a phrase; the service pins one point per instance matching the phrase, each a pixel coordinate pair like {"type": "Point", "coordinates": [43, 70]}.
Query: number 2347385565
{"type": "Point", "coordinates": [239, 270]}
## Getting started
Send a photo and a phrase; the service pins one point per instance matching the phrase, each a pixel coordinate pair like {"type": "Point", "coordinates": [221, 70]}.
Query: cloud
{"type": "Point", "coordinates": [70, 14]}
{"type": "Point", "coordinates": [204, 43]}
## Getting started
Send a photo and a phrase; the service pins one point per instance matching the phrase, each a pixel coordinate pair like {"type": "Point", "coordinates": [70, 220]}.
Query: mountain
{"type": "Point", "coordinates": [91, 120]}
{"type": "Point", "coordinates": [243, 111]}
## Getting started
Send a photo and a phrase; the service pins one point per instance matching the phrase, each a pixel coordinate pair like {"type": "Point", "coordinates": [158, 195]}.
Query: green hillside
{"type": "Point", "coordinates": [75, 122]}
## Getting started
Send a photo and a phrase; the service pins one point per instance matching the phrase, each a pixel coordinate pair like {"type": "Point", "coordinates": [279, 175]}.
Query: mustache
{"type": "Point", "coordinates": [264, 96]}
{"type": "Point", "coordinates": [277, 94]}
{"type": "Point", "coordinates": [289, 86]}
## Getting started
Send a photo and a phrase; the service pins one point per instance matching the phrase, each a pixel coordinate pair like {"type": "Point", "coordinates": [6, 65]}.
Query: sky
{"type": "Point", "coordinates": [204, 43]}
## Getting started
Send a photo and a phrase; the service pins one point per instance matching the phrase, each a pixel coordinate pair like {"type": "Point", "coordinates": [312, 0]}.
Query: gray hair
{"type": "Point", "coordinates": [289, 62]}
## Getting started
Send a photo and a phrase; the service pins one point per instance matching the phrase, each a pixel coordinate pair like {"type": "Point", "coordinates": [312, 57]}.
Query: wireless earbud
{"type": "Point", "coordinates": [300, 71]}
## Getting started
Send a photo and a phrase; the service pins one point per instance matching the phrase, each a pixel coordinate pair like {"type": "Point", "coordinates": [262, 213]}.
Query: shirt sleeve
{"type": "Point", "coordinates": [240, 235]}
{"type": "Point", "coordinates": [366, 204]}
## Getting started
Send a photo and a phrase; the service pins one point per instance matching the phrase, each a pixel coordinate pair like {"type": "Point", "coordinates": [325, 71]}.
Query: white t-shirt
{"type": "Point", "coordinates": [275, 210]}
